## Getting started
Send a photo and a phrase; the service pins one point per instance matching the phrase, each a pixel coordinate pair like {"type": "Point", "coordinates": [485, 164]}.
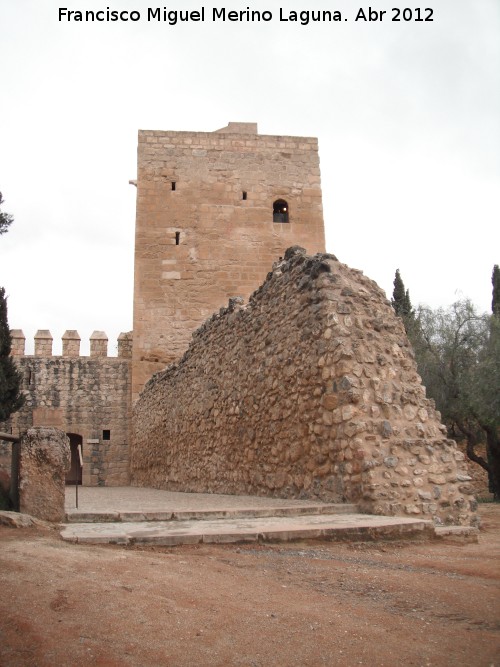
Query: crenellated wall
{"type": "Point", "coordinates": [86, 397]}
{"type": "Point", "coordinates": [308, 391]}
{"type": "Point", "coordinates": [70, 344]}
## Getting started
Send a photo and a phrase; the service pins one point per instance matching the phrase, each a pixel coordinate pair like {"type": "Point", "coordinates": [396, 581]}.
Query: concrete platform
{"type": "Point", "coordinates": [260, 529]}
{"type": "Point", "coordinates": [129, 515]}
{"type": "Point", "coordinates": [132, 504]}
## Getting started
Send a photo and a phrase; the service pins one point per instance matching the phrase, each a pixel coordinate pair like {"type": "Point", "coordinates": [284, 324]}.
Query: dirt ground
{"type": "Point", "coordinates": [315, 603]}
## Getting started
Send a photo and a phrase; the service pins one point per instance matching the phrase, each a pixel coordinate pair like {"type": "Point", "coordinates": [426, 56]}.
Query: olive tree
{"type": "Point", "coordinates": [458, 357]}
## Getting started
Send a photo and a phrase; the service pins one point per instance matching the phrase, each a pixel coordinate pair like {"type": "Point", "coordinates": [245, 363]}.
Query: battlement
{"type": "Point", "coordinates": [238, 128]}
{"type": "Point", "coordinates": [70, 344]}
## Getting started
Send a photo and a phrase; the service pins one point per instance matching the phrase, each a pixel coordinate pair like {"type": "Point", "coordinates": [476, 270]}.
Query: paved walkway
{"type": "Point", "coordinates": [122, 499]}
{"type": "Point", "coordinates": [250, 529]}
{"type": "Point", "coordinates": [131, 515]}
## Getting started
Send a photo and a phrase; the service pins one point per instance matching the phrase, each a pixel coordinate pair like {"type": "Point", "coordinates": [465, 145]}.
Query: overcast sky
{"type": "Point", "coordinates": [407, 115]}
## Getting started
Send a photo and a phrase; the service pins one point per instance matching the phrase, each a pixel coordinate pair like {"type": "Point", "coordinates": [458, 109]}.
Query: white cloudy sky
{"type": "Point", "coordinates": [407, 115]}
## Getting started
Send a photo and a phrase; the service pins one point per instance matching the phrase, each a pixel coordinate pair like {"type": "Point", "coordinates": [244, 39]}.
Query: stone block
{"type": "Point", "coordinates": [45, 459]}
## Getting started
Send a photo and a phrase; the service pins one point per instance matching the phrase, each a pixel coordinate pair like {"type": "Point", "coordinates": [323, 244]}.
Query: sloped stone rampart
{"type": "Point", "coordinates": [308, 391]}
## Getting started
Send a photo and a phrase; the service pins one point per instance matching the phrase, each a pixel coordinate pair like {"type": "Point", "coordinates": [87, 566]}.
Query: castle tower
{"type": "Point", "coordinates": [214, 211]}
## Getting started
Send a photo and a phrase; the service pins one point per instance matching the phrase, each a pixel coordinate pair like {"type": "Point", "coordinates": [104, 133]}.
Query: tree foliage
{"type": "Point", "coordinates": [401, 297]}
{"type": "Point", "coordinates": [495, 280]}
{"type": "Point", "coordinates": [402, 305]}
{"type": "Point", "coordinates": [11, 398]}
{"type": "Point", "coordinates": [5, 218]}
{"type": "Point", "coordinates": [458, 357]}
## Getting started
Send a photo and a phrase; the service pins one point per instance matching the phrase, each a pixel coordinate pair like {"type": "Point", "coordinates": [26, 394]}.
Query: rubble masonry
{"type": "Point", "coordinates": [308, 391]}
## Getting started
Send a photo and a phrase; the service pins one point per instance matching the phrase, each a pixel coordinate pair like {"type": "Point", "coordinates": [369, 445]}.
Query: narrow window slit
{"type": "Point", "coordinates": [244, 195]}
{"type": "Point", "coordinates": [177, 238]}
{"type": "Point", "coordinates": [173, 186]}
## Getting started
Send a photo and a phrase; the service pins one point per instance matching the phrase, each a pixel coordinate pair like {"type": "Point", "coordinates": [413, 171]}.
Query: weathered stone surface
{"type": "Point", "coordinates": [311, 401]}
{"type": "Point", "coordinates": [18, 520]}
{"type": "Point", "coordinates": [205, 228]}
{"type": "Point", "coordinates": [45, 458]}
{"type": "Point", "coordinates": [88, 396]}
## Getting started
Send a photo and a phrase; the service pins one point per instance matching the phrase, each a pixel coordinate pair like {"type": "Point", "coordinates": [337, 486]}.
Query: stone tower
{"type": "Point", "coordinates": [214, 211]}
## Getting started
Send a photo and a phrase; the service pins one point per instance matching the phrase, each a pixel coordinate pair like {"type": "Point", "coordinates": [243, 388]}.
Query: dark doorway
{"type": "Point", "coordinates": [74, 474]}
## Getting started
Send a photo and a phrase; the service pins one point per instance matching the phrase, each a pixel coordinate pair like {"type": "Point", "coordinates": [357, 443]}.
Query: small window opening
{"type": "Point", "coordinates": [106, 434]}
{"type": "Point", "coordinates": [244, 197]}
{"type": "Point", "coordinates": [280, 211]}
{"type": "Point", "coordinates": [173, 186]}
{"type": "Point", "coordinates": [177, 238]}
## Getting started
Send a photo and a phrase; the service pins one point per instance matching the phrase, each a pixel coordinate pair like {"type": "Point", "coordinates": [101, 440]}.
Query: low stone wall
{"type": "Point", "coordinates": [309, 391]}
{"type": "Point", "coordinates": [45, 459]}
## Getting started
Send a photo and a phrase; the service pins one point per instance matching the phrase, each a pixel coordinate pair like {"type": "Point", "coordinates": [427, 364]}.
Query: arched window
{"type": "Point", "coordinates": [280, 211]}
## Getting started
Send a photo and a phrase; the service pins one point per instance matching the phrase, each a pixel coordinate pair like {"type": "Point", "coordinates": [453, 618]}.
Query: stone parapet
{"type": "Point", "coordinates": [18, 342]}
{"type": "Point", "coordinates": [43, 343]}
{"type": "Point", "coordinates": [238, 128]}
{"type": "Point", "coordinates": [125, 341]}
{"type": "Point", "coordinates": [71, 343]}
{"type": "Point", "coordinates": [98, 344]}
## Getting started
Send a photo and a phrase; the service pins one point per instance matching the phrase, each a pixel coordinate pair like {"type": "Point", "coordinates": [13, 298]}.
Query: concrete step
{"type": "Point", "coordinates": [249, 529]}
{"type": "Point", "coordinates": [207, 514]}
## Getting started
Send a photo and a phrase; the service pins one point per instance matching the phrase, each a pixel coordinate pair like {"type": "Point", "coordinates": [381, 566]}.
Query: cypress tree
{"type": "Point", "coordinates": [11, 398]}
{"type": "Point", "coordinates": [495, 279]}
{"type": "Point", "coordinates": [491, 379]}
{"type": "Point", "coordinates": [398, 294]}
{"type": "Point", "coordinates": [402, 306]}
{"type": "Point", "coordinates": [401, 298]}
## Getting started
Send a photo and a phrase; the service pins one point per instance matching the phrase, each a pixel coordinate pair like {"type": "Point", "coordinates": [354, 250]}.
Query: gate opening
{"type": "Point", "coordinates": [74, 474]}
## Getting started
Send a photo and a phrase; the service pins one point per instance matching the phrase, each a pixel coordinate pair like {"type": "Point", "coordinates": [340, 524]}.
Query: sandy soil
{"type": "Point", "coordinates": [316, 603]}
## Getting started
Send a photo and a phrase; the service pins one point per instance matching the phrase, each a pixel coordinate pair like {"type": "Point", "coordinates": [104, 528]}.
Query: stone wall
{"type": "Point", "coordinates": [45, 459]}
{"type": "Point", "coordinates": [88, 397]}
{"type": "Point", "coordinates": [205, 228]}
{"type": "Point", "coordinates": [308, 391]}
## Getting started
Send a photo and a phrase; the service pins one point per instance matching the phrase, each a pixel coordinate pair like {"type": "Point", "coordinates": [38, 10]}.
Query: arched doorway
{"type": "Point", "coordinates": [74, 474]}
